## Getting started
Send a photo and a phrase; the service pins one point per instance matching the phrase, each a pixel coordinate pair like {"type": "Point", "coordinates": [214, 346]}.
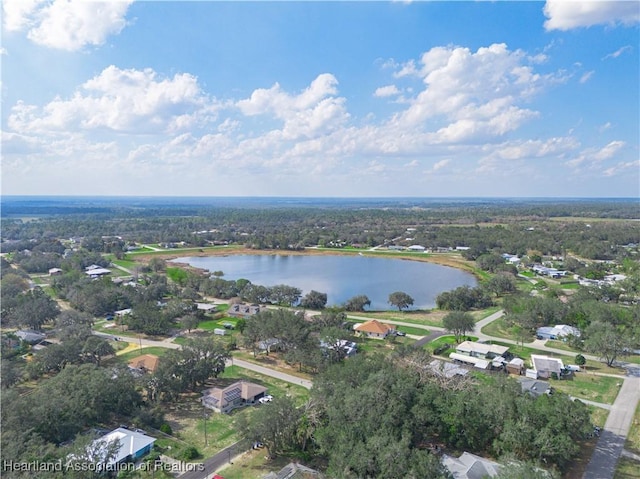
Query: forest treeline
{"type": "Point", "coordinates": [548, 228]}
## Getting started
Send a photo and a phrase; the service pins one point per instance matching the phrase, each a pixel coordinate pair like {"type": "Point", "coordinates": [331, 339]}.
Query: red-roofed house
{"type": "Point", "coordinates": [375, 329]}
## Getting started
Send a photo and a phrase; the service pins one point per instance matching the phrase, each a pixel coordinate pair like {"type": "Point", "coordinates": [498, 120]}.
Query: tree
{"type": "Point", "coordinates": [580, 360]}
{"type": "Point", "coordinates": [607, 341]}
{"type": "Point", "coordinates": [34, 309]}
{"type": "Point", "coordinates": [189, 322]}
{"type": "Point", "coordinates": [314, 300]}
{"type": "Point", "coordinates": [357, 303]}
{"type": "Point", "coordinates": [458, 323]}
{"type": "Point", "coordinates": [501, 283]}
{"type": "Point", "coordinates": [400, 300]}
{"type": "Point", "coordinates": [274, 424]}
{"type": "Point", "coordinates": [199, 360]}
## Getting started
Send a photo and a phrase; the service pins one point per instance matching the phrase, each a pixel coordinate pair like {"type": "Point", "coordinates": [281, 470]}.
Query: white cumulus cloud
{"type": "Point", "coordinates": [570, 14]}
{"type": "Point", "coordinates": [316, 110]}
{"type": "Point", "coordinates": [66, 24]}
{"type": "Point", "coordinates": [134, 101]}
{"type": "Point", "coordinates": [475, 93]}
{"type": "Point", "coordinates": [385, 91]}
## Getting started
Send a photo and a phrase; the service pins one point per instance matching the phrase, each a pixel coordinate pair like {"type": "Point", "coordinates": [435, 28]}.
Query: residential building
{"type": "Point", "coordinates": [559, 331]}
{"type": "Point", "coordinates": [133, 445]}
{"type": "Point", "coordinates": [470, 466]}
{"type": "Point", "coordinates": [293, 470]}
{"type": "Point", "coordinates": [147, 363]}
{"type": "Point", "coordinates": [515, 366]}
{"type": "Point", "coordinates": [244, 310]}
{"type": "Point", "coordinates": [30, 336]}
{"type": "Point", "coordinates": [481, 350]}
{"type": "Point", "coordinates": [545, 366]}
{"type": "Point", "coordinates": [236, 395]}
{"type": "Point", "coordinates": [375, 329]}
{"type": "Point", "coordinates": [534, 387]}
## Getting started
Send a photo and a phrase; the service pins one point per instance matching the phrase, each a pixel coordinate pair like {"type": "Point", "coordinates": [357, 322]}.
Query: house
{"type": "Point", "coordinates": [293, 470]}
{"type": "Point", "coordinates": [470, 466]}
{"type": "Point", "coordinates": [481, 350]}
{"type": "Point", "coordinates": [515, 366]}
{"type": "Point", "coordinates": [416, 247]}
{"type": "Point", "coordinates": [238, 394]}
{"type": "Point", "coordinates": [545, 367]}
{"type": "Point", "coordinates": [147, 363]}
{"type": "Point", "coordinates": [96, 272]}
{"type": "Point", "coordinates": [133, 445]}
{"type": "Point", "coordinates": [534, 387]}
{"type": "Point", "coordinates": [374, 329]}
{"type": "Point", "coordinates": [469, 360]}
{"type": "Point", "coordinates": [559, 331]}
{"type": "Point", "coordinates": [55, 272]}
{"type": "Point", "coordinates": [30, 336]}
{"type": "Point", "coordinates": [244, 310]}
{"type": "Point", "coordinates": [122, 312]}
{"type": "Point", "coordinates": [206, 307]}
{"type": "Point", "coordinates": [271, 344]}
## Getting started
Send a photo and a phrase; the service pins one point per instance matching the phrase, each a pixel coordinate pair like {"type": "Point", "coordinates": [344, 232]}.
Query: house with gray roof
{"type": "Point", "coordinates": [236, 395]}
{"type": "Point", "coordinates": [293, 470]}
{"type": "Point", "coordinates": [470, 466]}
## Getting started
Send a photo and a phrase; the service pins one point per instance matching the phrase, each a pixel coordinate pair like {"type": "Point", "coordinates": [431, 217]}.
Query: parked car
{"type": "Point", "coordinates": [265, 399]}
{"type": "Point", "coordinates": [400, 333]}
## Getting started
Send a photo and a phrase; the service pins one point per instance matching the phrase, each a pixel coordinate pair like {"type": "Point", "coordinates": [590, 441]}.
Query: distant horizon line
{"type": "Point", "coordinates": [315, 197]}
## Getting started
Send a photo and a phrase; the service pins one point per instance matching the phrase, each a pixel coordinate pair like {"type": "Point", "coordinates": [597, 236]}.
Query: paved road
{"type": "Point", "coordinates": [613, 435]}
{"type": "Point", "coordinates": [214, 463]}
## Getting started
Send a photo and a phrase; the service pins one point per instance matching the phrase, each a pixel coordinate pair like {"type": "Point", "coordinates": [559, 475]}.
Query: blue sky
{"type": "Point", "coordinates": [337, 98]}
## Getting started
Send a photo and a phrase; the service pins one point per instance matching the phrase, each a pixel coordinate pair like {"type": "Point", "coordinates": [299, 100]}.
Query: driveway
{"type": "Point", "coordinates": [613, 435]}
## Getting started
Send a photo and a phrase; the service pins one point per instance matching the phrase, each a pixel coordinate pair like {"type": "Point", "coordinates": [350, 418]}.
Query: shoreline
{"type": "Point", "coordinates": [442, 259]}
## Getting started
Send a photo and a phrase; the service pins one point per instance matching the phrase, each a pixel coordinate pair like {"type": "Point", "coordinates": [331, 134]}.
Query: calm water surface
{"type": "Point", "coordinates": [342, 277]}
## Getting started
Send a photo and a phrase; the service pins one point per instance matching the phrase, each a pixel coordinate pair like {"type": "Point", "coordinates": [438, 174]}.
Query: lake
{"type": "Point", "coordinates": [342, 277]}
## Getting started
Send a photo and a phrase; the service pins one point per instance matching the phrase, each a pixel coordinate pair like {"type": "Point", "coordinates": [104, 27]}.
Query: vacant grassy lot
{"type": "Point", "coordinates": [600, 389]}
{"type": "Point", "coordinates": [501, 329]}
{"type": "Point", "coordinates": [627, 469]}
{"type": "Point", "coordinates": [426, 318]}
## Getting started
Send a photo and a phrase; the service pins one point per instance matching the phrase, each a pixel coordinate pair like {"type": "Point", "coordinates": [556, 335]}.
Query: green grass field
{"type": "Point", "coordinates": [600, 389]}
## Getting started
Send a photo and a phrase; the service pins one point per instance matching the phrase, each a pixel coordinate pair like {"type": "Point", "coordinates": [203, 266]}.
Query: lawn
{"type": "Point", "coordinates": [598, 415]}
{"type": "Point", "coordinates": [423, 317]}
{"type": "Point", "coordinates": [485, 313]}
{"type": "Point", "coordinates": [187, 420]}
{"type": "Point", "coordinates": [627, 469]}
{"type": "Point", "coordinates": [273, 361]}
{"type": "Point", "coordinates": [633, 439]}
{"type": "Point", "coordinates": [602, 389]}
{"type": "Point", "coordinates": [253, 464]}
{"type": "Point", "coordinates": [414, 331]}
{"type": "Point", "coordinates": [129, 355]}
{"type": "Point", "coordinates": [501, 329]}
{"type": "Point", "coordinates": [384, 346]}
